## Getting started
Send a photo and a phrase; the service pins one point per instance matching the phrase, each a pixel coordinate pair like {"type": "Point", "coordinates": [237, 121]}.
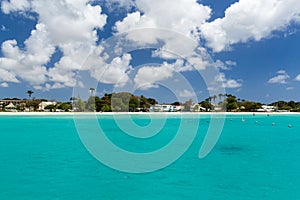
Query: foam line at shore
{"type": "Point", "coordinates": [140, 113]}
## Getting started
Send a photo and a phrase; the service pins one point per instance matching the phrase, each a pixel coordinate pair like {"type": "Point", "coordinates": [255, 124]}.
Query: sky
{"type": "Point", "coordinates": [167, 50]}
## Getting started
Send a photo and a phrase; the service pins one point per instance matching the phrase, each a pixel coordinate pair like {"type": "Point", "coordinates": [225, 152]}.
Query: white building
{"type": "Point", "coordinates": [265, 108]}
{"type": "Point", "coordinates": [197, 108]}
{"type": "Point", "coordinates": [43, 105]}
{"type": "Point", "coordinates": [165, 108]}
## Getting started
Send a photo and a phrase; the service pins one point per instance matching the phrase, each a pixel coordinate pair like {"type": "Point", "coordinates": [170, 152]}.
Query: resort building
{"type": "Point", "coordinates": [165, 108]}
{"type": "Point", "coordinates": [197, 108]}
{"type": "Point", "coordinates": [12, 104]}
{"type": "Point", "coordinates": [265, 108]}
{"type": "Point", "coordinates": [43, 105]}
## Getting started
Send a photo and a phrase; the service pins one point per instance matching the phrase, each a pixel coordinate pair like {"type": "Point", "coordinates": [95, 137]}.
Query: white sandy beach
{"type": "Point", "coordinates": [141, 113]}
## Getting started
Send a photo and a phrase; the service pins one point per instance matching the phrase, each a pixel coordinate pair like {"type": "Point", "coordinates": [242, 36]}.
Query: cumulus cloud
{"type": "Point", "coordinates": [281, 78]}
{"type": "Point", "coordinates": [15, 6]}
{"type": "Point", "coordinates": [70, 26]}
{"type": "Point", "coordinates": [118, 4]}
{"type": "Point", "coordinates": [4, 85]}
{"type": "Point", "coordinates": [182, 17]}
{"type": "Point", "coordinates": [148, 76]}
{"type": "Point", "coordinates": [227, 65]}
{"type": "Point", "coordinates": [232, 84]}
{"type": "Point", "coordinates": [227, 83]}
{"type": "Point", "coordinates": [289, 88]}
{"type": "Point", "coordinates": [8, 76]}
{"type": "Point", "coordinates": [249, 20]}
{"type": "Point", "coordinates": [28, 64]}
{"type": "Point", "coordinates": [297, 78]}
{"type": "Point", "coordinates": [187, 94]}
{"type": "Point", "coordinates": [114, 72]}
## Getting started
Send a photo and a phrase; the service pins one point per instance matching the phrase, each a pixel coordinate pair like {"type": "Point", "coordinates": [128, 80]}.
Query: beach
{"type": "Point", "coordinates": [143, 113]}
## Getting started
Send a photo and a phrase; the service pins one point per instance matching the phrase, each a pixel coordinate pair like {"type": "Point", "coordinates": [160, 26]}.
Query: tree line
{"type": "Point", "coordinates": [127, 102]}
{"type": "Point", "coordinates": [116, 102]}
{"type": "Point", "coordinates": [228, 102]}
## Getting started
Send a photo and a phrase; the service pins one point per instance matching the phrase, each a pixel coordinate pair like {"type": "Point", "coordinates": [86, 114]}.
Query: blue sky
{"type": "Point", "coordinates": [48, 47]}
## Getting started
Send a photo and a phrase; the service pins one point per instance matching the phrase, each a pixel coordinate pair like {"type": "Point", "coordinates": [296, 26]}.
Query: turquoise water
{"type": "Point", "coordinates": [43, 158]}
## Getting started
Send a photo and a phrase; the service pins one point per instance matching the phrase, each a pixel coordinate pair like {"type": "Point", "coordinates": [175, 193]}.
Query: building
{"type": "Point", "coordinates": [165, 108]}
{"type": "Point", "coordinates": [265, 108]}
{"type": "Point", "coordinates": [197, 108]}
{"type": "Point", "coordinates": [43, 105]}
{"type": "Point", "coordinates": [18, 104]}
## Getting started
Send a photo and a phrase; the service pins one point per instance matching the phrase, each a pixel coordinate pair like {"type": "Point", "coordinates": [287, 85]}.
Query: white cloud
{"type": "Point", "coordinates": [225, 66]}
{"type": "Point", "coordinates": [3, 28]}
{"type": "Point", "coordinates": [187, 94]}
{"type": "Point", "coordinates": [71, 27]}
{"type": "Point", "coordinates": [28, 64]}
{"type": "Point", "coordinates": [249, 20]}
{"type": "Point", "coordinates": [281, 78]}
{"type": "Point", "coordinates": [68, 25]}
{"type": "Point", "coordinates": [4, 85]}
{"type": "Point", "coordinates": [148, 76]}
{"type": "Point", "coordinates": [227, 83]}
{"type": "Point", "coordinates": [282, 72]}
{"type": "Point", "coordinates": [182, 17]}
{"type": "Point", "coordinates": [232, 84]}
{"type": "Point", "coordinates": [297, 78]}
{"type": "Point", "coordinates": [230, 63]}
{"type": "Point", "coordinates": [70, 21]}
{"type": "Point", "coordinates": [117, 4]}
{"type": "Point", "coordinates": [15, 5]}
{"type": "Point", "coordinates": [115, 72]}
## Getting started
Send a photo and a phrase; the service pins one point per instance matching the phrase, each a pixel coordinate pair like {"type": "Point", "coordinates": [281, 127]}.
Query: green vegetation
{"type": "Point", "coordinates": [231, 103]}
{"type": "Point", "coordinates": [127, 102]}
{"type": "Point", "coordinates": [29, 92]}
{"type": "Point", "coordinates": [64, 106]}
{"type": "Point", "coordinates": [291, 106]}
{"type": "Point", "coordinates": [117, 102]}
{"type": "Point", "coordinates": [123, 102]}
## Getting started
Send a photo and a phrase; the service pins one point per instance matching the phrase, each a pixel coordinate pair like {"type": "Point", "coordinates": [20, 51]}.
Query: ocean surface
{"type": "Point", "coordinates": [256, 157]}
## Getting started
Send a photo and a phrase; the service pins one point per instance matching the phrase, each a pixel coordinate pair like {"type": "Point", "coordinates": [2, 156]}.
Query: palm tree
{"type": "Point", "coordinates": [73, 99]}
{"type": "Point", "coordinates": [29, 92]}
{"type": "Point", "coordinates": [214, 98]}
{"type": "Point", "coordinates": [220, 96]}
{"type": "Point", "coordinates": [92, 90]}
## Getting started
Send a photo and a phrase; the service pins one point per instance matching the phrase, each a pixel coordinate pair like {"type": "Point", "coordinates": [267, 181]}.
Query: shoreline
{"type": "Point", "coordinates": [141, 113]}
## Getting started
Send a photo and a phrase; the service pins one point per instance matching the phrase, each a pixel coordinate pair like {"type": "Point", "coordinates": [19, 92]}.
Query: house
{"type": "Point", "coordinates": [165, 108]}
{"type": "Point", "coordinates": [43, 105]}
{"type": "Point", "coordinates": [265, 108]}
{"type": "Point", "coordinates": [10, 107]}
{"type": "Point", "coordinates": [197, 108]}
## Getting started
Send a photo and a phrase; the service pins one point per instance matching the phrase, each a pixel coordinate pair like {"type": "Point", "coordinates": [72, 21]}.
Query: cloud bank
{"type": "Point", "coordinates": [70, 27]}
{"type": "Point", "coordinates": [250, 20]}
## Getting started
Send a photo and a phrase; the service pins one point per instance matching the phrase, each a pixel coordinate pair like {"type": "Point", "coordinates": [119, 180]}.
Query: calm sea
{"type": "Point", "coordinates": [43, 158]}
